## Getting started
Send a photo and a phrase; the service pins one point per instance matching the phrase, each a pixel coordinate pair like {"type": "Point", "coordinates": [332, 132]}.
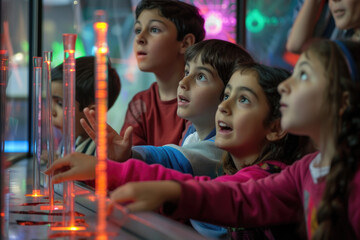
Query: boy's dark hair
{"type": "Point", "coordinates": [186, 17]}
{"type": "Point", "coordinates": [221, 55]}
{"type": "Point", "coordinates": [85, 81]}
{"type": "Point", "coordinates": [289, 148]}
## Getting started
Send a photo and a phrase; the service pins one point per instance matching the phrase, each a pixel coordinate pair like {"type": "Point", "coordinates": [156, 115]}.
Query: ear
{"type": "Point", "coordinates": [276, 132]}
{"type": "Point", "coordinates": [345, 103]}
{"type": "Point", "coordinates": [188, 40]}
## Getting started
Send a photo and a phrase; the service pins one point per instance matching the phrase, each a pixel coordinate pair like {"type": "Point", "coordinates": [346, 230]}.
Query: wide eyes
{"type": "Point", "coordinates": [58, 101]}
{"type": "Point", "coordinates": [137, 30]}
{"type": "Point", "coordinates": [303, 76]}
{"type": "Point", "coordinates": [241, 99]}
{"type": "Point", "coordinates": [244, 100]}
{"type": "Point", "coordinates": [201, 77]}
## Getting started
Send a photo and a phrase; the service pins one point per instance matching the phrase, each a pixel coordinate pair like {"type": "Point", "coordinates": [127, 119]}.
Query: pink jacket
{"type": "Point", "coordinates": [277, 199]}
{"type": "Point", "coordinates": [135, 170]}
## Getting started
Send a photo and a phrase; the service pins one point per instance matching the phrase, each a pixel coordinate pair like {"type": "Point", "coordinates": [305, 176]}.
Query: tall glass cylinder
{"type": "Point", "coordinates": [69, 119]}
{"type": "Point", "coordinates": [3, 181]}
{"type": "Point", "coordinates": [37, 98]}
{"type": "Point", "coordinates": [48, 130]}
{"type": "Point", "coordinates": [101, 92]}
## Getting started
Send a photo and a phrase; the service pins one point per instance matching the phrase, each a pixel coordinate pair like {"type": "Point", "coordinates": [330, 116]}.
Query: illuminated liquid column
{"type": "Point", "coordinates": [37, 97]}
{"type": "Point", "coordinates": [101, 50]}
{"type": "Point", "coordinates": [48, 117]}
{"type": "Point", "coordinates": [3, 181]}
{"type": "Point", "coordinates": [69, 119]}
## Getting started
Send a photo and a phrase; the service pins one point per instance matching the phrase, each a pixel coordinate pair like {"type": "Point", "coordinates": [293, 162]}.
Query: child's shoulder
{"type": "Point", "coordinates": [147, 93]}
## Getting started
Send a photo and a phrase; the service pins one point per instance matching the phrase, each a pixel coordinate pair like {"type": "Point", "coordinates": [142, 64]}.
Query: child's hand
{"type": "Point", "coordinates": [119, 148]}
{"type": "Point", "coordinates": [145, 196]}
{"type": "Point", "coordinates": [75, 166]}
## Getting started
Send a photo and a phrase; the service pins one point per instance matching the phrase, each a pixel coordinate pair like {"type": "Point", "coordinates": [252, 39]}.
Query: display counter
{"type": "Point", "coordinates": [28, 220]}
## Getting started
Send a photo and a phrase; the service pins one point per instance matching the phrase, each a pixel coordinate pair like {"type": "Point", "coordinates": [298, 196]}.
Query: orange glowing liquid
{"type": "Point", "coordinates": [69, 228]}
{"type": "Point", "coordinates": [35, 193]}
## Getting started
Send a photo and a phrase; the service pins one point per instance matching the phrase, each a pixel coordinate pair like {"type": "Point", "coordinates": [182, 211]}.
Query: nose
{"type": "Point", "coordinates": [185, 82]}
{"type": "Point", "coordinates": [53, 112]}
{"type": "Point", "coordinates": [140, 38]}
{"type": "Point", "coordinates": [284, 87]}
{"type": "Point", "coordinates": [224, 107]}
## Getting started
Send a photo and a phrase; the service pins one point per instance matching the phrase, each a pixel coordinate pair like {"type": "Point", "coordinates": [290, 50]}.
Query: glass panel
{"type": "Point", "coordinates": [267, 26]}
{"type": "Point", "coordinates": [14, 27]}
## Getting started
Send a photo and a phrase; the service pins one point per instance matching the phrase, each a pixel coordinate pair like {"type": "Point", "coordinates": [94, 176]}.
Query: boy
{"type": "Point", "coordinates": [85, 97]}
{"type": "Point", "coordinates": [164, 29]}
{"type": "Point", "coordinates": [209, 65]}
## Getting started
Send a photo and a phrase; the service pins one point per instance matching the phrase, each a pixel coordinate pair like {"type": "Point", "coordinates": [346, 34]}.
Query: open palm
{"type": "Point", "coordinates": [119, 147]}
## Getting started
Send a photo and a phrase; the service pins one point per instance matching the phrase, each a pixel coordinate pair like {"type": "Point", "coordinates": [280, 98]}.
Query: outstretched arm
{"type": "Point", "coordinates": [268, 201]}
{"type": "Point", "coordinates": [119, 147]}
{"type": "Point", "coordinates": [304, 25]}
{"type": "Point", "coordinates": [74, 166]}
{"type": "Point", "coordinates": [146, 196]}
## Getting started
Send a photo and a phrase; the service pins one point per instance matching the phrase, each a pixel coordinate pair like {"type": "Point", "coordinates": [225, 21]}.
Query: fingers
{"type": "Point", "coordinates": [90, 116]}
{"type": "Point", "coordinates": [57, 165]}
{"type": "Point", "coordinates": [90, 131]}
{"type": "Point", "coordinates": [63, 176]}
{"type": "Point", "coordinates": [123, 194]}
{"type": "Point", "coordinates": [128, 134]}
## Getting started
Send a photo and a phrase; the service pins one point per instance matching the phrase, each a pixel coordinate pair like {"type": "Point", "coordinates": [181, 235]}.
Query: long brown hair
{"type": "Point", "coordinates": [332, 212]}
{"type": "Point", "coordinates": [289, 148]}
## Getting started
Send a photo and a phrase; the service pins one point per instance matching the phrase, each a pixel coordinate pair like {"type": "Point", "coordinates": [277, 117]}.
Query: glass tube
{"type": "Point", "coordinates": [47, 56]}
{"type": "Point", "coordinates": [69, 120]}
{"type": "Point", "coordinates": [101, 92]}
{"type": "Point", "coordinates": [4, 60]}
{"type": "Point", "coordinates": [37, 97]}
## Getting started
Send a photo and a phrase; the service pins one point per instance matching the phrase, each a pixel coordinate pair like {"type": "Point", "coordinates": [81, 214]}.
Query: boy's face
{"type": "Point", "coordinates": [240, 117]}
{"type": "Point", "coordinates": [199, 93]}
{"type": "Point", "coordinates": [346, 13]}
{"type": "Point", "coordinates": [155, 45]}
{"type": "Point", "coordinates": [57, 110]}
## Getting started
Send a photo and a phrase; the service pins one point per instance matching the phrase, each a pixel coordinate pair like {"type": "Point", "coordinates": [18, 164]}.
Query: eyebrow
{"type": "Point", "coordinates": [202, 68]}
{"type": "Point", "coordinates": [242, 88]}
{"type": "Point", "coordinates": [151, 21]}
{"type": "Point", "coordinates": [302, 63]}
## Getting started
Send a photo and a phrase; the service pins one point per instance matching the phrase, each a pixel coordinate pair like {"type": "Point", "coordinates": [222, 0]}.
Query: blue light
{"type": "Point", "coordinates": [16, 146]}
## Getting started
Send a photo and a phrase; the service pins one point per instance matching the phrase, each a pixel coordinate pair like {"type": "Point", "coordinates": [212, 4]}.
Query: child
{"type": "Point", "coordinates": [85, 97]}
{"type": "Point", "coordinates": [320, 100]}
{"type": "Point", "coordinates": [346, 14]}
{"type": "Point", "coordinates": [209, 65]}
{"type": "Point", "coordinates": [163, 29]}
{"type": "Point", "coordinates": [248, 127]}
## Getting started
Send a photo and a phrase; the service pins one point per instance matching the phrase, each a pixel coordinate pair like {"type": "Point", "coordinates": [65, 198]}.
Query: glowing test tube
{"type": "Point", "coordinates": [3, 181]}
{"type": "Point", "coordinates": [69, 119]}
{"type": "Point", "coordinates": [48, 125]}
{"type": "Point", "coordinates": [37, 98]}
{"type": "Point", "coordinates": [101, 50]}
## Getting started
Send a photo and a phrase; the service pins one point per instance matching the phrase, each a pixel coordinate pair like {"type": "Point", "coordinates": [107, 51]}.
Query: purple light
{"type": "Point", "coordinates": [213, 23]}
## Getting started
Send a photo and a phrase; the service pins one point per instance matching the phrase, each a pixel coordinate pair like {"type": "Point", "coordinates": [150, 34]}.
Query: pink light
{"type": "Point", "coordinates": [213, 23]}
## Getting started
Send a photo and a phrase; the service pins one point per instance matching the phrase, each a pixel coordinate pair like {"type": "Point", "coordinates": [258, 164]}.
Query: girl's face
{"type": "Point", "coordinates": [346, 13]}
{"type": "Point", "coordinates": [155, 46]}
{"type": "Point", "coordinates": [199, 93]}
{"type": "Point", "coordinates": [58, 112]}
{"type": "Point", "coordinates": [303, 98]}
{"type": "Point", "coordinates": [240, 127]}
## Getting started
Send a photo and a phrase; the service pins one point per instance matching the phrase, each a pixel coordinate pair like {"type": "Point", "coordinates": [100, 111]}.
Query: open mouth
{"type": "Point", "coordinates": [182, 99]}
{"type": "Point", "coordinates": [224, 127]}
